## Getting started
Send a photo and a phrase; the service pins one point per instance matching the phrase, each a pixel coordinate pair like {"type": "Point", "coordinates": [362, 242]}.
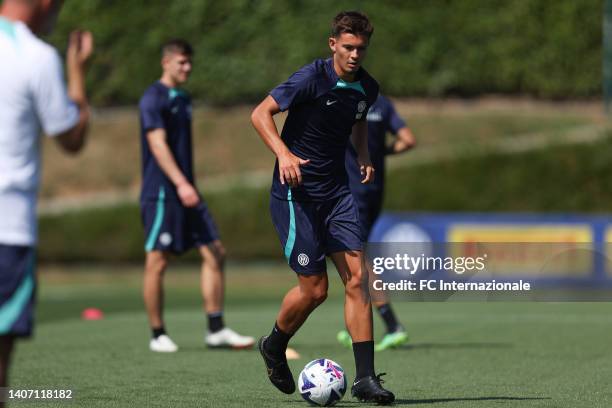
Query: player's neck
{"type": "Point", "coordinates": [16, 12]}
{"type": "Point", "coordinates": [345, 76]}
{"type": "Point", "coordinates": [168, 81]}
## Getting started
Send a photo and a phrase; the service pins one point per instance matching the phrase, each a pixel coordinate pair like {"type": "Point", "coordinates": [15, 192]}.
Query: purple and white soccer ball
{"type": "Point", "coordinates": [322, 382]}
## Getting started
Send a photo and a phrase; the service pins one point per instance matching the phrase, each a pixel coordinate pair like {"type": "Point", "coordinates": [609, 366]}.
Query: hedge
{"type": "Point", "coordinates": [543, 48]}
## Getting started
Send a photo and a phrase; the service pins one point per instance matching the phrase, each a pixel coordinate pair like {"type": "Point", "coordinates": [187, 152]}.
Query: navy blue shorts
{"type": "Point", "coordinates": [309, 231]}
{"type": "Point", "coordinates": [171, 227]}
{"type": "Point", "coordinates": [17, 290]}
{"type": "Point", "coordinates": [369, 206]}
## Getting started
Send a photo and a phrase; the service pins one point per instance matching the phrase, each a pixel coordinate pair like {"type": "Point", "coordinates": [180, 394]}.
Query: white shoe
{"type": "Point", "coordinates": [228, 338]}
{"type": "Point", "coordinates": [292, 354]}
{"type": "Point", "coordinates": [163, 344]}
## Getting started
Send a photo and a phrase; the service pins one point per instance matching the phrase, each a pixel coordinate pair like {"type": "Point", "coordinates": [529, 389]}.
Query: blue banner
{"type": "Point", "coordinates": [556, 249]}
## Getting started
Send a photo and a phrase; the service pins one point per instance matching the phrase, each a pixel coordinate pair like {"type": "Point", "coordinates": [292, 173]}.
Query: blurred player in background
{"type": "Point", "coordinates": [382, 119]}
{"type": "Point", "coordinates": [33, 96]}
{"type": "Point", "coordinates": [174, 214]}
{"type": "Point", "coordinates": [311, 205]}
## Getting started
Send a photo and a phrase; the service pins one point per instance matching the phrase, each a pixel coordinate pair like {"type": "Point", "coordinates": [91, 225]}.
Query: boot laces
{"type": "Point", "coordinates": [379, 380]}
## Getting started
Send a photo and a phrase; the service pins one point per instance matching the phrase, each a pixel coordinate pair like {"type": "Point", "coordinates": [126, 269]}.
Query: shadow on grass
{"type": "Point", "coordinates": [438, 400]}
{"type": "Point", "coordinates": [203, 348]}
{"type": "Point", "coordinates": [303, 348]}
{"type": "Point", "coordinates": [452, 346]}
{"type": "Point", "coordinates": [442, 400]}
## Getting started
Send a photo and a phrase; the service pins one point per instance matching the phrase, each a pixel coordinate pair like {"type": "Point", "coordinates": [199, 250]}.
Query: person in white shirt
{"type": "Point", "coordinates": [33, 97]}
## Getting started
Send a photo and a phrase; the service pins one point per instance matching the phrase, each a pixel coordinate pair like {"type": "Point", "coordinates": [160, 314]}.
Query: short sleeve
{"type": "Point", "coordinates": [394, 121]}
{"type": "Point", "coordinates": [151, 111]}
{"type": "Point", "coordinates": [300, 87]}
{"type": "Point", "coordinates": [56, 112]}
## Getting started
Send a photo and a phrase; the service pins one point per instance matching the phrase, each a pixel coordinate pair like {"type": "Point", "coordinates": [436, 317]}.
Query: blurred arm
{"type": "Point", "coordinates": [163, 155]}
{"type": "Point", "coordinates": [263, 122]}
{"type": "Point", "coordinates": [80, 48]}
{"type": "Point", "coordinates": [359, 138]}
{"type": "Point", "coordinates": [404, 141]}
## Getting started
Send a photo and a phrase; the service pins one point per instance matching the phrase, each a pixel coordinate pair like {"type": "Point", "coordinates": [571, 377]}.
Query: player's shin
{"type": "Point", "coordinates": [358, 315]}
{"type": "Point", "coordinates": [357, 310]}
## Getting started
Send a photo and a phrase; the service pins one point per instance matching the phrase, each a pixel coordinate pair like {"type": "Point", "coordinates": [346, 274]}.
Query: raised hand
{"type": "Point", "coordinates": [80, 47]}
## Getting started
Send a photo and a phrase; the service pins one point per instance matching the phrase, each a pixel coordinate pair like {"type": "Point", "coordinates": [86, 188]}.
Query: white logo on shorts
{"type": "Point", "coordinates": [165, 238]}
{"type": "Point", "coordinates": [303, 259]}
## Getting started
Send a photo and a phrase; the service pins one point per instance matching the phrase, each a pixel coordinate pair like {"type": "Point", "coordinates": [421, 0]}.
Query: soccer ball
{"type": "Point", "coordinates": [322, 382]}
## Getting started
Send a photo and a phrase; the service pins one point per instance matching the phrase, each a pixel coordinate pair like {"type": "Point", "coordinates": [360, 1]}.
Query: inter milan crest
{"type": "Point", "coordinates": [165, 238]}
{"type": "Point", "coordinates": [303, 259]}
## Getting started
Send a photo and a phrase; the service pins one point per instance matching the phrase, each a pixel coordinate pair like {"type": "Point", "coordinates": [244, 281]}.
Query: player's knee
{"type": "Point", "coordinates": [214, 256]}
{"type": "Point", "coordinates": [156, 263]}
{"type": "Point", "coordinates": [220, 255]}
{"type": "Point", "coordinates": [318, 295]}
{"type": "Point", "coordinates": [355, 281]}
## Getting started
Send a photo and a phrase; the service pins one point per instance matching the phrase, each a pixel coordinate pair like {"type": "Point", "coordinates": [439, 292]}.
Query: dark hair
{"type": "Point", "coordinates": [352, 22]}
{"type": "Point", "coordinates": [176, 46]}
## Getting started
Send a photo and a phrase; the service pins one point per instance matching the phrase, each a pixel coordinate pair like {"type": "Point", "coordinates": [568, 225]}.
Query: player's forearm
{"type": "Point", "coordinates": [263, 122]}
{"type": "Point", "coordinates": [167, 163]}
{"type": "Point", "coordinates": [359, 138]}
{"type": "Point", "coordinates": [80, 48]}
{"type": "Point", "coordinates": [76, 85]}
{"type": "Point", "coordinates": [404, 141]}
{"type": "Point", "coordinates": [74, 140]}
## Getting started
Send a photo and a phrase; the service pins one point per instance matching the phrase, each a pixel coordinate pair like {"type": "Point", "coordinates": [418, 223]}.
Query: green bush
{"type": "Point", "coordinates": [560, 179]}
{"type": "Point", "coordinates": [545, 48]}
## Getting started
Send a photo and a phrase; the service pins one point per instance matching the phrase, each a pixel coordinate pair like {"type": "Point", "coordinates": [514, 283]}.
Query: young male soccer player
{"type": "Point", "coordinates": [382, 118]}
{"type": "Point", "coordinates": [33, 95]}
{"type": "Point", "coordinates": [175, 216]}
{"type": "Point", "coordinates": [311, 204]}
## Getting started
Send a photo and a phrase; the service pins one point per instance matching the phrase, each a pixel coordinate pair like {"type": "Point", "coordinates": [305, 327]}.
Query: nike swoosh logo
{"type": "Point", "coordinates": [330, 102]}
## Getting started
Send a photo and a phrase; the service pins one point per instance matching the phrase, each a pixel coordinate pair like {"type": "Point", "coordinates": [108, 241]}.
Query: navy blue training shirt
{"type": "Point", "coordinates": [382, 118]}
{"type": "Point", "coordinates": [169, 109]}
{"type": "Point", "coordinates": [322, 111]}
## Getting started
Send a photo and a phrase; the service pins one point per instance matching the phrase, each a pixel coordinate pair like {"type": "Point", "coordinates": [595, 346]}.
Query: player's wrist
{"type": "Point", "coordinates": [364, 160]}
{"type": "Point", "coordinates": [284, 154]}
{"type": "Point", "coordinates": [181, 184]}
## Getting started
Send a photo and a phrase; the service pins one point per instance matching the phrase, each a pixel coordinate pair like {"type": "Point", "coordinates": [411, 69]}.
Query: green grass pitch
{"type": "Point", "coordinates": [460, 354]}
